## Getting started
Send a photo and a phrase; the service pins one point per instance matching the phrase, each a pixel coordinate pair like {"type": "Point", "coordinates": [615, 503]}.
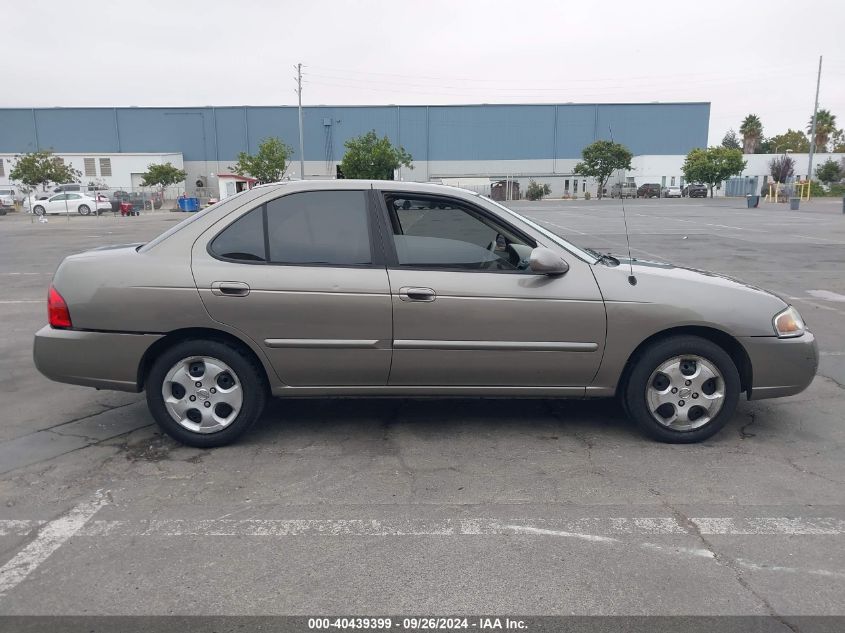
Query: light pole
{"type": "Point", "coordinates": [813, 128]}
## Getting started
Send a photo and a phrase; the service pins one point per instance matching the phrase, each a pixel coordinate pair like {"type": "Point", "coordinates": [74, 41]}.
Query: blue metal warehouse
{"type": "Point", "coordinates": [445, 141]}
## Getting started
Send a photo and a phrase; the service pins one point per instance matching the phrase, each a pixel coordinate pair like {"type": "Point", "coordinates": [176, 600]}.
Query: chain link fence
{"type": "Point", "coordinates": [122, 200]}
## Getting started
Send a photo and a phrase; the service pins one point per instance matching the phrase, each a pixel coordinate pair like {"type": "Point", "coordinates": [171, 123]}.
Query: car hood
{"type": "Point", "coordinates": [689, 296]}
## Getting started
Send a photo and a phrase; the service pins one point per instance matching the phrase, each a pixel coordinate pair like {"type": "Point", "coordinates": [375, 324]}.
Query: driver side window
{"type": "Point", "coordinates": [446, 233]}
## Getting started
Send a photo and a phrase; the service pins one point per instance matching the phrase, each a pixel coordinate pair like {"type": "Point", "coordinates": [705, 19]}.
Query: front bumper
{"type": "Point", "coordinates": [781, 366]}
{"type": "Point", "coordinates": [105, 360]}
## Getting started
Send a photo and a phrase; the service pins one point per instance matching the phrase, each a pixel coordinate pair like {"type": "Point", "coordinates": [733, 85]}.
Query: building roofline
{"type": "Point", "coordinates": [361, 105]}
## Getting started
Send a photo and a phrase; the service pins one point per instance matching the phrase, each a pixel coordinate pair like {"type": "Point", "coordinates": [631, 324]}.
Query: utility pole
{"type": "Point", "coordinates": [301, 143]}
{"type": "Point", "coordinates": [813, 127]}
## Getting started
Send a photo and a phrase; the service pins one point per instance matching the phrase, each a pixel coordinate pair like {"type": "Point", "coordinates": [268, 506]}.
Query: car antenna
{"type": "Point", "coordinates": [631, 278]}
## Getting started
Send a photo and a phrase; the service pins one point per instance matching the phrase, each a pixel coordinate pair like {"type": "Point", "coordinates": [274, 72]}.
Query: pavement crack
{"type": "Point", "coordinates": [743, 430]}
{"type": "Point", "coordinates": [721, 559]}
{"type": "Point", "coordinates": [88, 438]}
{"type": "Point", "coordinates": [91, 415]}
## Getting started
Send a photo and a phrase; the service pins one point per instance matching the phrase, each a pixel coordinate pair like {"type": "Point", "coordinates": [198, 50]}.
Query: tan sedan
{"type": "Point", "coordinates": [339, 288]}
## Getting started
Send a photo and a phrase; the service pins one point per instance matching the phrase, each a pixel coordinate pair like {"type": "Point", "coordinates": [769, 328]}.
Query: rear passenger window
{"type": "Point", "coordinates": [243, 239]}
{"type": "Point", "coordinates": [319, 227]}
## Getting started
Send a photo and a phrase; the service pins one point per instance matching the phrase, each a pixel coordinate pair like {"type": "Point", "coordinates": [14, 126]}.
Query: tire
{"type": "Point", "coordinates": [38, 209]}
{"type": "Point", "coordinates": [246, 392]}
{"type": "Point", "coordinates": [713, 370]}
{"type": "Point", "coordinates": [84, 209]}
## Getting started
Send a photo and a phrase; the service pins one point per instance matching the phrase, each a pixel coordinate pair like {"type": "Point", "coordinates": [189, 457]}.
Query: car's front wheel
{"type": "Point", "coordinates": [84, 209]}
{"type": "Point", "coordinates": [682, 389]}
{"type": "Point", "coordinates": [205, 393]}
{"type": "Point", "coordinates": [38, 210]}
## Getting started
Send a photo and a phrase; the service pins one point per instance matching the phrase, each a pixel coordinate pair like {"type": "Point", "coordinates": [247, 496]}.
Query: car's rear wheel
{"type": "Point", "coordinates": [84, 209]}
{"type": "Point", "coordinates": [205, 393]}
{"type": "Point", "coordinates": [682, 389]}
{"type": "Point", "coordinates": [38, 210]}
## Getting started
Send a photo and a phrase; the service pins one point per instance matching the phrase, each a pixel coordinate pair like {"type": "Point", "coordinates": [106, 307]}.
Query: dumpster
{"type": "Point", "coordinates": [189, 204]}
{"type": "Point", "coordinates": [752, 201]}
{"type": "Point", "coordinates": [793, 203]}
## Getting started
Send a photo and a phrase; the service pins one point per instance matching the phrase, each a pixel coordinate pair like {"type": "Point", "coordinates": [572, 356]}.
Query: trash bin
{"type": "Point", "coordinates": [189, 204]}
{"type": "Point", "coordinates": [752, 201]}
{"type": "Point", "coordinates": [793, 203]}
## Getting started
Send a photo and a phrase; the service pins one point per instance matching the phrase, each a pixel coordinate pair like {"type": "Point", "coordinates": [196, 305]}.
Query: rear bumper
{"type": "Point", "coordinates": [781, 366]}
{"type": "Point", "coordinates": [105, 360]}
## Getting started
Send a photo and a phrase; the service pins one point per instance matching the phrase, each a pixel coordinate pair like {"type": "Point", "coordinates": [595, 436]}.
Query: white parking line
{"type": "Point", "coordinates": [481, 526]}
{"type": "Point", "coordinates": [827, 295]}
{"type": "Point", "coordinates": [50, 538]}
{"type": "Point", "coordinates": [24, 301]}
{"type": "Point", "coordinates": [816, 304]}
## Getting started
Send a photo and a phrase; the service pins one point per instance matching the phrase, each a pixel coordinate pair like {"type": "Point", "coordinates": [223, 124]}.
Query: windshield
{"type": "Point", "coordinates": [584, 254]}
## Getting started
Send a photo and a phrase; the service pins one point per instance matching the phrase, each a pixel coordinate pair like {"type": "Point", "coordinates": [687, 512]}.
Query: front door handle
{"type": "Point", "coordinates": [229, 288]}
{"type": "Point", "coordinates": [408, 293]}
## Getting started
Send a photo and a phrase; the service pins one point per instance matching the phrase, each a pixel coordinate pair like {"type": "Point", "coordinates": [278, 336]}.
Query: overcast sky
{"type": "Point", "coordinates": [741, 55]}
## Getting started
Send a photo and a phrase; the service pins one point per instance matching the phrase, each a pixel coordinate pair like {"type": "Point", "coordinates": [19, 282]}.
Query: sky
{"type": "Point", "coordinates": [742, 56]}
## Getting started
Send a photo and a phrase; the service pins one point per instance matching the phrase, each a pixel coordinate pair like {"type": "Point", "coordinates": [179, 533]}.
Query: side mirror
{"type": "Point", "coordinates": [546, 262]}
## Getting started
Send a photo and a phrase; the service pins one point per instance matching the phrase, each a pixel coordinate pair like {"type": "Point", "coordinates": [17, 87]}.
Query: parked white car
{"type": "Point", "coordinates": [8, 192]}
{"type": "Point", "coordinates": [80, 203]}
{"type": "Point", "coordinates": [671, 192]}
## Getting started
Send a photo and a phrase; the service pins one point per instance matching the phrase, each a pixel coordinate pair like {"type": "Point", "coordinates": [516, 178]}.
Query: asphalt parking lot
{"type": "Point", "coordinates": [435, 507]}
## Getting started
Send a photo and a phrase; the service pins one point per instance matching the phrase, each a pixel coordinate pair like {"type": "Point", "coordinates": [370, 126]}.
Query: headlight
{"type": "Point", "coordinates": [788, 323]}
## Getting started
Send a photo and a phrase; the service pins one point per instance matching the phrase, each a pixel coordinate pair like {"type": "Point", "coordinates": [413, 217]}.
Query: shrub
{"type": "Point", "coordinates": [536, 191]}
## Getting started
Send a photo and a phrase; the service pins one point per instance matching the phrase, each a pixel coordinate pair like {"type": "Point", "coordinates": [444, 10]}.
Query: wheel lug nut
{"type": "Point", "coordinates": [192, 398]}
{"type": "Point", "coordinates": [213, 390]}
{"type": "Point", "coordinates": [688, 383]}
{"type": "Point", "coordinates": [198, 384]}
{"type": "Point", "coordinates": [680, 403]}
{"type": "Point", "coordinates": [694, 396]}
{"type": "Point", "coordinates": [207, 404]}
{"type": "Point", "coordinates": [674, 390]}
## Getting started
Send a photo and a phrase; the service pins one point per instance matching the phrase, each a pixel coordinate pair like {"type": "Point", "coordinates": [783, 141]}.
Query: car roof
{"type": "Point", "coordinates": [349, 183]}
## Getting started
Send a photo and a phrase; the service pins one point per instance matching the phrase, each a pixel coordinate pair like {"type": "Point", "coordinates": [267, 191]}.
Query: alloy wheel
{"type": "Point", "coordinates": [685, 392]}
{"type": "Point", "coordinates": [202, 394]}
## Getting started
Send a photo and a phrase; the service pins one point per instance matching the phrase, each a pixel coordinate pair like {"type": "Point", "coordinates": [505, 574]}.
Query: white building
{"type": "Point", "coordinates": [115, 171]}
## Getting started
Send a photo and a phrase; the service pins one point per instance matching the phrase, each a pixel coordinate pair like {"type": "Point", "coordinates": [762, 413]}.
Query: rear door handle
{"type": "Point", "coordinates": [408, 293]}
{"type": "Point", "coordinates": [229, 288]}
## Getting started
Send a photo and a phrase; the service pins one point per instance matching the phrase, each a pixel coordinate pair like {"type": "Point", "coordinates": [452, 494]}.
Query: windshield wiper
{"type": "Point", "coordinates": [604, 258]}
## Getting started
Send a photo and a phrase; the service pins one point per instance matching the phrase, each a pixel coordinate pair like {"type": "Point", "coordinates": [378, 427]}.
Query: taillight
{"type": "Point", "coordinates": [57, 311]}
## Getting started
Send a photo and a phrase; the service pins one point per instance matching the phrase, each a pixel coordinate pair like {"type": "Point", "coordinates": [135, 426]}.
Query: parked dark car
{"type": "Point", "coordinates": [649, 190]}
{"type": "Point", "coordinates": [695, 191]}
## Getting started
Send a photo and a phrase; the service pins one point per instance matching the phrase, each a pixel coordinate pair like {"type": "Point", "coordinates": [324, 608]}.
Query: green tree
{"type": "Point", "coordinates": [795, 140]}
{"type": "Point", "coordinates": [731, 140]}
{"type": "Point", "coordinates": [601, 159]}
{"type": "Point", "coordinates": [712, 165]}
{"type": "Point", "coordinates": [825, 128]}
{"type": "Point", "coordinates": [162, 175]}
{"type": "Point", "coordinates": [781, 168]}
{"type": "Point", "coordinates": [536, 191]}
{"type": "Point", "coordinates": [838, 141]}
{"type": "Point", "coordinates": [268, 164]}
{"type": "Point", "coordinates": [829, 171]}
{"type": "Point", "coordinates": [41, 168]}
{"type": "Point", "coordinates": [370, 157]}
{"type": "Point", "coordinates": [752, 133]}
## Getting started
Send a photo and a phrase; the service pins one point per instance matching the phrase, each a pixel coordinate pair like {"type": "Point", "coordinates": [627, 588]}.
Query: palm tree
{"type": "Point", "coordinates": [752, 133]}
{"type": "Point", "coordinates": [825, 126]}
